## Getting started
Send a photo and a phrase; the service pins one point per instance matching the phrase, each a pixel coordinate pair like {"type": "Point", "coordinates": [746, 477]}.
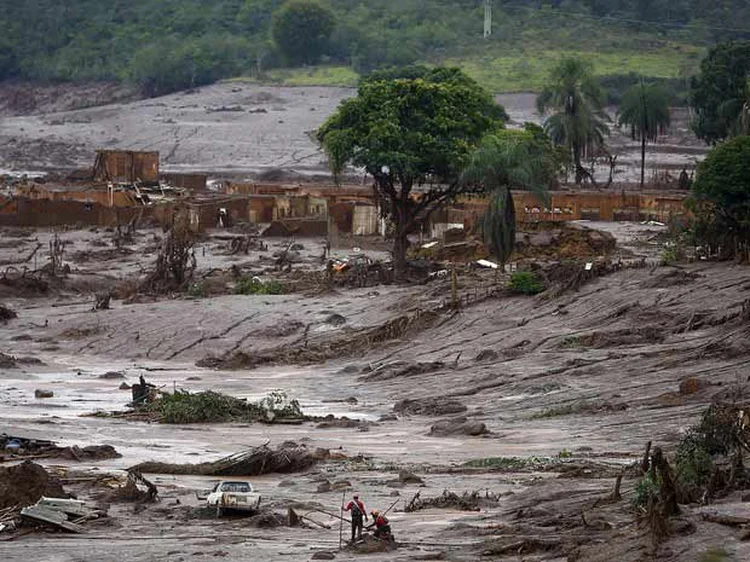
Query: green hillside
{"type": "Point", "coordinates": [164, 45]}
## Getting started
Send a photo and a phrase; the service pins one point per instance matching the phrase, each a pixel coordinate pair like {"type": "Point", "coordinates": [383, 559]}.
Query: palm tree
{"type": "Point", "coordinates": [578, 120]}
{"type": "Point", "coordinates": [645, 109]}
{"type": "Point", "coordinates": [508, 159]}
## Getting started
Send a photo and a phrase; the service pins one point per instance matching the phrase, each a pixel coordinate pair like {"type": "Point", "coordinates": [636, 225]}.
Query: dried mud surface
{"type": "Point", "coordinates": [235, 128]}
{"type": "Point", "coordinates": [569, 390]}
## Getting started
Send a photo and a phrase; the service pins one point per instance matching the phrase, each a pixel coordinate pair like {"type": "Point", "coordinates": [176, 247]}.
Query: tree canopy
{"type": "Point", "coordinates": [645, 110]}
{"type": "Point", "coordinates": [302, 30]}
{"type": "Point", "coordinates": [721, 91]}
{"type": "Point", "coordinates": [576, 103]}
{"type": "Point", "coordinates": [414, 136]}
{"type": "Point", "coordinates": [721, 197]}
{"type": "Point", "coordinates": [506, 160]}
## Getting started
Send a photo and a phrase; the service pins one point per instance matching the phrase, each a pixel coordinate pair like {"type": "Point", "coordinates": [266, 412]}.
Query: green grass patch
{"type": "Point", "coordinates": [506, 463]}
{"type": "Point", "coordinates": [525, 283]}
{"type": "Point", "coordinates": [343, 76]}
{"type": "Point", "coordinates": [254, 286]}
{"type": "Point", "coordinates": [526, 70]}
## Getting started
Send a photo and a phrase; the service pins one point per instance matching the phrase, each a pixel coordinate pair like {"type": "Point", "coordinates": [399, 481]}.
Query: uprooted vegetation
{"type": "Point", "coordinates": [288, 457]}
{"type": "Point", "coordinates": [352, 342]}
{"type": "Point", "coordinates": [213, 407]}
{"type": "Point", "coordinates": [175, 263]}
{"type": "Point", "coordinates": [709, 464]}
{"type": "Point", "coordinates": [468, 501]}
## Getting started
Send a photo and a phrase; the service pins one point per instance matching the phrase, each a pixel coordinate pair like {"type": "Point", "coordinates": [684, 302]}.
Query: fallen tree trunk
{"type": "Point", "coordinates": [260, 460]}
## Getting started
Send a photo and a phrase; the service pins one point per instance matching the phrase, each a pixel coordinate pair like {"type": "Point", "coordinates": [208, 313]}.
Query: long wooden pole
{"type": "Point", "coordinates": [341, 523]}
{"type": "Point", "coordinates": [390, 508]}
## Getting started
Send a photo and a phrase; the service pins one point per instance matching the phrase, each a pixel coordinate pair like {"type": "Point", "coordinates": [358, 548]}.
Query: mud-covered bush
{"type": "Point", "coordinates": [214, 407]}
{"type": "Point", "coordinates": [525, 283]}
{"type": "Point", "coordinates": [254, 286]}
{"type": "Point", "coordinates": [709, 455]}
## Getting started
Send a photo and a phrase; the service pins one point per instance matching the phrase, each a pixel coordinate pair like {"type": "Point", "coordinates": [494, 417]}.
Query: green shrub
{"type": "Point", "coordinates": [254, 286]}
{"type": "Point", "coordinates": [646, 492]}
{"type": "Point", "coordinates": [693, 463]}
{"type": "Point", "coordinates": [197, 290]}
{"type": "Point", "coordinates": [672, 254]}
{"type": "Point", "coordinates": [525, 283]}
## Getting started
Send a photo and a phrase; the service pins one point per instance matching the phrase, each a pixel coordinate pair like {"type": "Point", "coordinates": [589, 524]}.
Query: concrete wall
{"type": "Point", "coordinates": [88, 194]}
{"type": "Point", "coordinates": [566, 206]}
{"type": "Point", "coordinates": [193, 182]}
{"type": "Point", "coordinates": [46, 213]}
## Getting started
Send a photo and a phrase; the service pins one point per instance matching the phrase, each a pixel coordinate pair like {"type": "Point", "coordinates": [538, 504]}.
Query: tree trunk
{"type": "Point", "coordinates": [643, 159]}
{"type": "Point", "coordinates": [577, 164]}
{"type": "Point", "coordinates": [400, 242]}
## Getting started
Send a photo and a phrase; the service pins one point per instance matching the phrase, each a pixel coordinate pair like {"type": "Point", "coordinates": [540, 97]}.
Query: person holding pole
{"type": "Point", "coordinates": [358, 514]}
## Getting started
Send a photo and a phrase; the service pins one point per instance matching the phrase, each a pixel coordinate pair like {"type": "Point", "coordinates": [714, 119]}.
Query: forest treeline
{"type": "Point", "coordinates": [163, 45]}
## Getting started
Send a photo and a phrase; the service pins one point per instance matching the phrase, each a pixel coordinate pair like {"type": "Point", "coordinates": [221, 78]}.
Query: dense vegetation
{"type": "Point", "coordinates": [165, 44]}
{"type": "Point", "coordinates": [721, 200]}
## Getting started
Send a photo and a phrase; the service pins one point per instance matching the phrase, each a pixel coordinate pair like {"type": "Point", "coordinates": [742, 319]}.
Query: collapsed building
{"type": "Point", "coordinates": [126, 186]}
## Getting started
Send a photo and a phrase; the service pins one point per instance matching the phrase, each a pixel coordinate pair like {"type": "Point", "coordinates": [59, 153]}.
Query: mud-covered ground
{"type": "Point", "coordinates": [569, 390]}
{"type": "Point", "coordinates": [240, 129]}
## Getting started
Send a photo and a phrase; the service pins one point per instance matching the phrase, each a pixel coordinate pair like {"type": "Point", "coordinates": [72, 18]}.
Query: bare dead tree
{"type": "Point", "coordinates": [175, 263]}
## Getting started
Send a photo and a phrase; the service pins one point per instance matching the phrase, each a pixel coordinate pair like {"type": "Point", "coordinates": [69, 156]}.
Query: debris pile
{"type": "Point", "coordinates": [435, 406]}
{"type": "Point", "coordinates": [21, 447]}
{"type": "Point", "coordinates": [563, 241]}
{"type": "Point", "coordinates": [288, 457]}
{"type": "Point", "coordinates": [24, 484]}
{"type": "Point", "coordinates": [468, 501]}
{"type": "Point", "coordinates": [214, 407]}
{"type": "Point", "coordinates": [60, 513]}
{"type": "Point", "coordinates": [136, 489]}
{"type": "Point", "coordinates": [458, 426]}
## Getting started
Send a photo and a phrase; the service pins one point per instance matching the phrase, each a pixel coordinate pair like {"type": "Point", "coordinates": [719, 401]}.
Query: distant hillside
{"type": "Point", "coordinates": [163, 45]}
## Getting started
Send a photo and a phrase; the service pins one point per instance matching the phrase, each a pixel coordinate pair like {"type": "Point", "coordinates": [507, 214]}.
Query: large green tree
{"type": "Point", "coordinates": [577, 120]}
{"type": "Point", "coordinates": [645, 109]}
{"type": "Point", "coordinates": [507, 160]}
{"type": "Point", "coordinates": [302, 29]}
{"type": "Point", "coordinates": [721, 198]}
{"type": "Point", "coordinates": [721, 90]}
{"type": "Point", "coordinates": [414, 136]}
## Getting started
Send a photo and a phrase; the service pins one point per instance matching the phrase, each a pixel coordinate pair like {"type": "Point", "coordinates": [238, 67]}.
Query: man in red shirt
{"type": "Point", "coordinates": [358, 513]}
{"type": "Point", "coordinates": [382, 525]}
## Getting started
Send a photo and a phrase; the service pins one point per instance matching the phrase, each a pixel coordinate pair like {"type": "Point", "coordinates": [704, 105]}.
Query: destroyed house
{"type": "Point", "coordinates": [126, 166]}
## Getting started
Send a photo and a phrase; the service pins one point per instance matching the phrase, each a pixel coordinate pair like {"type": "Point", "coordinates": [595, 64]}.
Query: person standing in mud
{"type": "Point", "coordinates": [359, 513]}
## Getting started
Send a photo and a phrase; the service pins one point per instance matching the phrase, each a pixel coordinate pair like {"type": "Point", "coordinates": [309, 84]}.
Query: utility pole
{"type": "Point", "coordinates": [487, 18]}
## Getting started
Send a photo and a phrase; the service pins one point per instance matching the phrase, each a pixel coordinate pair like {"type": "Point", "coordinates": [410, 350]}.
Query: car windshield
{"type": "Point", "coordinates": [241, 487]}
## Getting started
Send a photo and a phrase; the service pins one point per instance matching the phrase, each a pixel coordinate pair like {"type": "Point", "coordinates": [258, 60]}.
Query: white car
{"type": "Point", "coordinates": [233, 495]}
